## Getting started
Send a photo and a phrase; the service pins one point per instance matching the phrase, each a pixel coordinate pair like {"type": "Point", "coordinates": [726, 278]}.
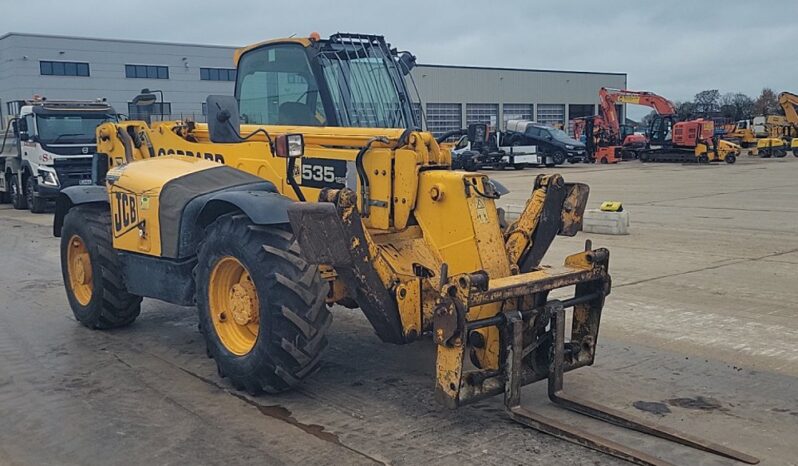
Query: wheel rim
{"type": "Point", "coordinates": [234, 306]}
{"type": "Point", "coordinates": [79, 269]}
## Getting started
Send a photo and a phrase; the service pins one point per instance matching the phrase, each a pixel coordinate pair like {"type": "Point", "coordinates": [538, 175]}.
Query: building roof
{"type": "Point", "coordinates": [102, 39]}
{"type": "Point", "coordinates": [233, 47]}
{"type": "Point", "coordinates": [499, 68]}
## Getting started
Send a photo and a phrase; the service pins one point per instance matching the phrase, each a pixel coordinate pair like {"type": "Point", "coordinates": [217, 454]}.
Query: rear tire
{"type": "Point", "coordinates": [17, 195]}
{"type": "Point", "coordinates": [703, 159]}
{"type": "Point", "coordinates": [285, 305]}
{"type": "Point", "coordinates": [730, 158]}
{"type": "Point", "coordinates": [604, 161]}
{"type": "Point", "coordinates": [94, 284]}
{"type": "Point", "coordinates": [5, 196]}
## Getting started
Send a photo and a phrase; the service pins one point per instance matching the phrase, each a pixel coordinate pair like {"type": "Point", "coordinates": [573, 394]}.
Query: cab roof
{"type": "Point", "coordinates": [303, 41]}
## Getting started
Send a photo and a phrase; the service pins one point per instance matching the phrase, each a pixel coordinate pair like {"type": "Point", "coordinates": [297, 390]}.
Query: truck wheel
{"type": "Point", "coordinates": [703, 158]}
{"type": "Point", "coordinates": [261, 306]}
{"type": "Point", "coordinates": [604, 161]}
{"type": "Point", "coordinates": [730, 158]}
{"type": "Point", "coordinates": [558, 158]}
{"type": "Point", "coordinates": [17, 195]}
{"type": "Point", "coordinates": [5, 196]}
{"type": "Point", "coordinates": [92, 271]}
{"type": "Point", "coordinates": [519, 166]}
{"type": "Point", "coordinates": [36, 204]}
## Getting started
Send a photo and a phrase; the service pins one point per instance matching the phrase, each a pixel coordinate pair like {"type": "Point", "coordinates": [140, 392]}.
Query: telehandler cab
{"type": "Point", "coordinates": [312, 187]}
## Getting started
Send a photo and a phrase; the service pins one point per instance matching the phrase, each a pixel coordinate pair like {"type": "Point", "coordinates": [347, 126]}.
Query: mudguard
{"type": "Point", "coordinates": [72, 196]}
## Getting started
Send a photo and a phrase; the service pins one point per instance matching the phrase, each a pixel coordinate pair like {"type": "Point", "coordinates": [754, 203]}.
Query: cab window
{"type": "Point", "coordinates": [276, 87]}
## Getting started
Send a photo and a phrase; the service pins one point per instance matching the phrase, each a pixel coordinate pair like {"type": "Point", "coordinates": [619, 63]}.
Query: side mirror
{"type": "Point", "coordinates": [224, 122]}
{"type": "Point", "coordinates": [14, 128]}
{"type": "Point", "coordinates": [289, 146]}
{"type": "Point", "coordinates": [24, 136]}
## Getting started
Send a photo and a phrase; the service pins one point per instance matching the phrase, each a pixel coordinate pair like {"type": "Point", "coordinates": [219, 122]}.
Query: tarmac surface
{"type": "Point", "coordinates": [700, 333]}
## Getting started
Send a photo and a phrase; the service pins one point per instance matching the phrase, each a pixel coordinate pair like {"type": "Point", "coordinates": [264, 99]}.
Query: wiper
{"type": "Point", "coordinates": [65, 135]}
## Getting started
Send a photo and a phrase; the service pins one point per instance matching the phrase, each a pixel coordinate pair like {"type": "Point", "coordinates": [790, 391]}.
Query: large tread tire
{"type": "Point", "coordinates": [293, 318]}
{"type": "Point", "coordinates": [18, 194]}
{"type": "Point", "coordinates": [111, 306]}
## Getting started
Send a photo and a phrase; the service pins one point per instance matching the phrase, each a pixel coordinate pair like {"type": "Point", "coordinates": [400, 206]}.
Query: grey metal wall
{"type": "Point", "coordinates": [464, 85]}
{"type": "Point", "coordinates": [20, 76]}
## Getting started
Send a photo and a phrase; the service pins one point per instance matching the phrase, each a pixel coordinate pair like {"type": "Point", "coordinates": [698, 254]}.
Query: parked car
{"type": "Point", "coordinates": [551, 142]}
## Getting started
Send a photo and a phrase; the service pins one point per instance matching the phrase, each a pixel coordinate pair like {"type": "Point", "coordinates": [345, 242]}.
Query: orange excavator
{"type": "Point", "coordinates": [611, 139]}
{"type": "Point", "coordinates": [667, 138]}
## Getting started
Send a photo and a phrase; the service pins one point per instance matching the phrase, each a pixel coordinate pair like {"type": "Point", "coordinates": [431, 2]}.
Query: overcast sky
{"type": "Point", "coordinates": [674, 48]}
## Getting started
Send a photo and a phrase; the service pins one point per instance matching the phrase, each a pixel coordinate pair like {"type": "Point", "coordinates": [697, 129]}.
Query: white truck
{"type": "Point", "coordinates": [55, 143]}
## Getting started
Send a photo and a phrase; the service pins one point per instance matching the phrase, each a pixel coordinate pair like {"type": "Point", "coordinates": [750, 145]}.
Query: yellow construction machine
{"type": "Point", "coordinates": [789, 102]}
{"type": "Point", "coordinates": [314, 186]}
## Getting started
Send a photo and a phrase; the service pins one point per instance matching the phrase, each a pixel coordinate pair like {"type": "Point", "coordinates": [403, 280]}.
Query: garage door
{"type": "Point", "coordinates": [518, 112]}
{"type": "Point", "coordinates": [551, 114]}
{"type": "Point", "coordinates": [482, 113]}
{"type": "Point", "coordinates": [444, 117]}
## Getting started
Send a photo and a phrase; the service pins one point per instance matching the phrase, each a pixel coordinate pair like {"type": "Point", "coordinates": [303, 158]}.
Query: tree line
{"type": "Point", "coordinates": [731, 105]}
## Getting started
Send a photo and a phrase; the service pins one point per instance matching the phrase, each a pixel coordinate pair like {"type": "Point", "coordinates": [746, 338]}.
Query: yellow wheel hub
{"type": "Point", "coordinates": [79, 269]}
{"type": "Point", "coordinates": [234, 306]}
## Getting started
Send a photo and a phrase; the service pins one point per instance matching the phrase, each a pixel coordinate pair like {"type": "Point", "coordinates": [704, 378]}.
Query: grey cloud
{"type": "Point", "coordinates": [674, 48]}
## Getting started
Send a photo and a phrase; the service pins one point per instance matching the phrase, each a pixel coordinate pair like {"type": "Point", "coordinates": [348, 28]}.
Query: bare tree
{"type": "Point", "coordinates": [706, 102]}
{"type": "Point", "coordinates": [767, 103]}
{"type": "Point", "coordinates": [736, 106]}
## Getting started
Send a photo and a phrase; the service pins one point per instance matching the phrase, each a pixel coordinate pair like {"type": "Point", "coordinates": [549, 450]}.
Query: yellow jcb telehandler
{"type": "Point", "coordinates": [314, 186]}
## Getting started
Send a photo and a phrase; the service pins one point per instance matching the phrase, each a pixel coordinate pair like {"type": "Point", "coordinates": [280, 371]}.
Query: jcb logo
{"type": "Point", "coordinates": [126, 214]}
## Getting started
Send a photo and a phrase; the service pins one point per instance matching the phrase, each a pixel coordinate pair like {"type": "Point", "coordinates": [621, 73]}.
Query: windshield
{"type": "Point", "coordinates": [559, 134]}
{"type": "Point", "coordinates": [68, 129]}
{"type": "Point", "coordinates": [366, 86]}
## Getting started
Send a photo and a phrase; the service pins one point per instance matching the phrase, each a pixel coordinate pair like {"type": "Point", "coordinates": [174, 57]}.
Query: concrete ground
{"type": "Point", "coordinates": [700, 331]}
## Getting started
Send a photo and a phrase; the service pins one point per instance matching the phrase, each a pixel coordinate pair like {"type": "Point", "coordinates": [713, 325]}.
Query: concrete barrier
{"type": "Point", "coordinates": [606, 223]}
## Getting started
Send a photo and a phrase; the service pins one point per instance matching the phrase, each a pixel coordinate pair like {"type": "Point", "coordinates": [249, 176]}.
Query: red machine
{"type": "Point", "coordinates": [609, 135]}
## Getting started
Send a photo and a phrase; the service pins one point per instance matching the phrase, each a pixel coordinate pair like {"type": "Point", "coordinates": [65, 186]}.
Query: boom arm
{"type": "Point", "coordinates": [609, 97]}
{"type": "Point", "coordinates": [788, 102]}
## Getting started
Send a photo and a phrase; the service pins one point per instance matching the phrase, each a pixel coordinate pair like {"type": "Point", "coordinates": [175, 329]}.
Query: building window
{"type": "Point", "coordinates": [160, 109]}
{"type": "Point", "coordinates": [551, 115]}
{"type": "Point", "coordinates": [220, 74]}
{"type": "Point", "coordinates": [444, 117]}
{"type": "Point", "coordinates": [147, 71]}
{"type": "Point", "coordinates": [63, 68]}
{"type": "Point", "coordinates": [517, 112]}
{"type": "Point", "coordinates": [482, 113]}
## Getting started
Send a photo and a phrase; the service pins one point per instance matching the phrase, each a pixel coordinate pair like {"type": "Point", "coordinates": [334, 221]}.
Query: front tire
{"type": "Point", "coordinates": [558, 158]}
{"type": "Point", "coordinates": [261, 306]}
{"type": "Point", "coordinates": [92, 270]}
{"type": "Point", "coordinates": [730, 158]}
{"type": "Point", "coordinates": [36, 204]}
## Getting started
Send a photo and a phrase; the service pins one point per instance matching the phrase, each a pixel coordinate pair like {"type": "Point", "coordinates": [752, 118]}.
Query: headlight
{"type": "Point", "coordinates": [569, 147]}
{"type": "Point", "coordinates": [48, 177]}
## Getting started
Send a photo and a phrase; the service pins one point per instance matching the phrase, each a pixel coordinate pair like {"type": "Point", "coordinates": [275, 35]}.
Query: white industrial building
{"type": "Point", "coordinates": [60, 67]}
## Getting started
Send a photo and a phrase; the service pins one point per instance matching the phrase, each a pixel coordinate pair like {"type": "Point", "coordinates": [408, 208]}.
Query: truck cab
{"type": "Point", "coordinates": [55, 145]}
